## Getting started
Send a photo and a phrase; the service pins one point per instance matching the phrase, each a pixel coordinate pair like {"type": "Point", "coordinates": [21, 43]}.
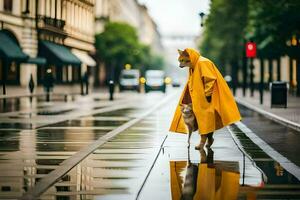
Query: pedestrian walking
{"type": "Point", "coordinates": [85, 80]}
{"type": "Point", "coordinates": [207, 95]}
{"type": "Point", "coordinates": [48, 83]}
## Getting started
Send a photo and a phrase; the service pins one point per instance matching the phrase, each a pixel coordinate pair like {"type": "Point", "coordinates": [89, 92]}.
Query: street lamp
{"type": "Point", "coordinates": [202, 18]}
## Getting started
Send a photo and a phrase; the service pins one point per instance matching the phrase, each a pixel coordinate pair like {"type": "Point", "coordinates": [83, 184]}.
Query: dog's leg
{"type": "Point", "coordinates": [202, 142]}
{"type": "Point", "coordinates": [210, 139]}
{"type": "Point", "coordinates": [189, 137]}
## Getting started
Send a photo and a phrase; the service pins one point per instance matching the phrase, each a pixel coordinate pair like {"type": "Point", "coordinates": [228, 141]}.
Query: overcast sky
{"type": "Point", "coordinates": [177, 16]}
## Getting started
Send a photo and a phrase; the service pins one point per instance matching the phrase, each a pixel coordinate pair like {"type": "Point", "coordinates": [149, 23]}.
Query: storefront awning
{"type": "Point", "coordinates": [37, 60]}
{"type": "Point", "coordinates": [84, 57]}
{"type": "Point", "coordinates": [57, 54]}
{"type": "Point", "coordinates": [10, 50]}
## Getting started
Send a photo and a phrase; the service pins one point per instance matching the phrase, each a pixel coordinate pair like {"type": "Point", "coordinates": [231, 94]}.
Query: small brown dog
{"type": "Point", "coordinates": [189, 119]}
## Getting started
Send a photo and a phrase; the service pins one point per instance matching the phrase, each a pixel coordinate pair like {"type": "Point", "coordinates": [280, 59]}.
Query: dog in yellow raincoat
{"type": "Point", "coordinates": [209, 95]}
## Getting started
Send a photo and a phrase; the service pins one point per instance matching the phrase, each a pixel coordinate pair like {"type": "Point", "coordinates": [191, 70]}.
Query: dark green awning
{"type": "Point", "coordinates": [57, 54]}
{"type": "Point", "coordinates": [37, 60]}
{"type": "Point", "coordinates": [10, 50]}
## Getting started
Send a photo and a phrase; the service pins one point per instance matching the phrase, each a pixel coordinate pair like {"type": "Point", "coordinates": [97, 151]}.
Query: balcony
{"type": "Point", "coordinates": [51, 25]}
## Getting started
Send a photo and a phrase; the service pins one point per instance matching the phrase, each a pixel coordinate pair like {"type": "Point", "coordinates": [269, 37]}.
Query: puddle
{"type": "Point", "coordinates": [116, 170]}
{"type": "Point", "coordinates": [208, 179]}
{"type": "Point", "coordinates": [6, 146]}
{"type": "Point", "coordinates": [23, 116]}
{"type": "Point", "coordinates": [104, 174]}
{"type": "Point", "coordinates": [7, 125]}
{"type": "Point", "coordinates": [4, 134]}
{"type": "Point", "coordinates": [128, 112]}
{"type": "Point", "coordinates": [27, 156]}
{"type": "Point", "coordinates": [54, 112]}
{"type": "Point", "coordinates": [69, 135]}
{"type": "Point", "coordinates": [98, 107]}
{"type": "Point", "coordinates": [88, 123]}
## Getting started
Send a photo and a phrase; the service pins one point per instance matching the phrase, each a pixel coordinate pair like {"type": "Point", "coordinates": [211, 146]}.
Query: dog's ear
{"type": "Point", "coordinates": [179, 51]}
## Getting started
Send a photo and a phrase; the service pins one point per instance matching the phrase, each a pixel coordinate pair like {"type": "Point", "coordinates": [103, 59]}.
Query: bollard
{"type": "Point", "coordinates": [31, 87]}
{"type": "Point", "coordinates": [66, 97]}
{"type": "Point", "coordinates": [31, 84]}
{"type": "Point", "coordinates": [111, 90]}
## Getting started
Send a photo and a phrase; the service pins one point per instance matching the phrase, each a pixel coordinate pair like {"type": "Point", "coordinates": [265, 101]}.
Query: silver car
{"type": "Point", "coordinates": [130, 80]}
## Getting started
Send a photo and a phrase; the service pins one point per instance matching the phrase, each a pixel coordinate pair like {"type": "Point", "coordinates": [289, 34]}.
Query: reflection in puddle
{"type": "Point", "coordinates": [276, 174]}
{"type": "Point", "coordinates": [54, 112]}
{"type": "Point", "coordinates": [208, 179]}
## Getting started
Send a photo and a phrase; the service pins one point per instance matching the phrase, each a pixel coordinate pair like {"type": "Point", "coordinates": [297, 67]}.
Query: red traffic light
{"type": "Point", "coordinates": [251, 50]}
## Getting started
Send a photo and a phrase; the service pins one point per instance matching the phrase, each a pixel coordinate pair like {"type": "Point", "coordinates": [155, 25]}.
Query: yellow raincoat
{"type": "Point", "coordinates": [206, 80]}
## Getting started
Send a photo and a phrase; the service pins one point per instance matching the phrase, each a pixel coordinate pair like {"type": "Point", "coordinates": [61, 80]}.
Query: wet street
{"type": "Point", "coordinates": [92, 148]}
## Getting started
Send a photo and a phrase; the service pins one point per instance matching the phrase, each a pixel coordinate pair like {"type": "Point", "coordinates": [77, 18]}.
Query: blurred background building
{"type": "Point", "coordinates": [56, 34]}
{"type": "Point", "coordinates": [59, 34]}
{"type": "Point", "coordinates": [132, 13]}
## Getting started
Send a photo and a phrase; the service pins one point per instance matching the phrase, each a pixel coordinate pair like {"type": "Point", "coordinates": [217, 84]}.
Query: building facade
{"type": "Point", "coordinates": [148, 31]}
{"type": "Point", "coordinates": [131, 12]}
{"type": "Point", "coordinates": [49, 34]}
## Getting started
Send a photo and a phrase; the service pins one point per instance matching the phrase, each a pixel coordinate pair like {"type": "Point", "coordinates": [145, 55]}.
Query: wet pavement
{"type": "Point", "coordinates": [123, 150]}
{"type": "Point", "coordinates": [283, 139]}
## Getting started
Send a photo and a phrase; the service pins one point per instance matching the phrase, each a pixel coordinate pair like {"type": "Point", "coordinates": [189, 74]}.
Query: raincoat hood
{"type": "Point", "coordinates": [194, 56]}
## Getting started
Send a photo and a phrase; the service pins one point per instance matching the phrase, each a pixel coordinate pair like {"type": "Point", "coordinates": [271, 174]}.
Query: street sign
{"type": "Point", "coordinates": [251, 50]}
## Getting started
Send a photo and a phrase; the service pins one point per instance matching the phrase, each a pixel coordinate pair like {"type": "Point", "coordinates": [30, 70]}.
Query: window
{"type": "Point", "coordinates": [8, 4]}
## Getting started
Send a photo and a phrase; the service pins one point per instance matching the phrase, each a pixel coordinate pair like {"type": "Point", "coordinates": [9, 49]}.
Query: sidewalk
{"type": "Point", "coordinates": [19, 91]}
{"type": "Point", "coordinates": [289, 116]}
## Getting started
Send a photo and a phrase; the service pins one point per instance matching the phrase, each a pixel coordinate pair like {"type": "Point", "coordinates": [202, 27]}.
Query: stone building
{"type": "Point", "coordinates": [148, 31]}
{"type": "Point", "coordinates": [56, 34]}
{"type": "Point", "coordinates": [131, 12]}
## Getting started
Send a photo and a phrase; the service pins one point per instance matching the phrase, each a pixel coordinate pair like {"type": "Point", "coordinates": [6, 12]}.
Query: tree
{"type": "Point", "coordinates": [224, 32]}
{"type": "Point", "coordinates": [118, 45]}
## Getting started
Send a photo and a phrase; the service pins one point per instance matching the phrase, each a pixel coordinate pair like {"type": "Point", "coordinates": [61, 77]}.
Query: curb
{"type": "Point", "coordinates": [270, 115]}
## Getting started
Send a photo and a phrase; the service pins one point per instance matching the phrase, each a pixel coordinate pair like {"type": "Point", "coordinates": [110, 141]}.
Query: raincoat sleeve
{"type": "Point", "coordinates": [208, 78]}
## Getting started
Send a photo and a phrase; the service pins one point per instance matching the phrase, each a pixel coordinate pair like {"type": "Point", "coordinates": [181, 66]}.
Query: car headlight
{"type": "Point", "coordinates": [168, 80]}
{"type": "Point", "coordinates": [142, 80]}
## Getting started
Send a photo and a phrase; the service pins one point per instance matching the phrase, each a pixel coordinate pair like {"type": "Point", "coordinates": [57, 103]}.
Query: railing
{"type": "Point", "coordinates": [51, 24]}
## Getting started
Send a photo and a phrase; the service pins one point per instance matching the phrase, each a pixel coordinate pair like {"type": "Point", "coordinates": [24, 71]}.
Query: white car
{"type": "Point", "coordinates": [155, 80]}
{"type": "Point", "coordinates": [130, 80]}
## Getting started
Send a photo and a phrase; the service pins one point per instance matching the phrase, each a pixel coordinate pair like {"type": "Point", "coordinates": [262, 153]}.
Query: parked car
{"type": "Point", "coordinates": [130, 80]}
{"type": "Point", "coordinates": [155, 81]}
{"type": "Point", "coordinates": [176, 82]}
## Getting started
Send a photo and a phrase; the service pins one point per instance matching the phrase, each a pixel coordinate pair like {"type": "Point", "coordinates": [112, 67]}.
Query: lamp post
{"type": "Point", "coordinates": [202, 18]}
